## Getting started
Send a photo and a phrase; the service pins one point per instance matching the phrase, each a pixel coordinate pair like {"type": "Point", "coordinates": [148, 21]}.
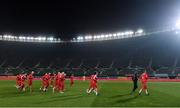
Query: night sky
{"type": "Point", "coordinates": [70, 18]}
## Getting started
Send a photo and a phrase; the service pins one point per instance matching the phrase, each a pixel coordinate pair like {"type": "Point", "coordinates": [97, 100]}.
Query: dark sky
{"type": "Point", "coordinates": [70, 18]}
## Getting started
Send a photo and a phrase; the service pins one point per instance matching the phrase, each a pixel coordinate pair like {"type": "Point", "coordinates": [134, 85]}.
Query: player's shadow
{"type": "Point", "coordinates": [120, 95]}
{"type": "Point", "coordinates": [125, 100]}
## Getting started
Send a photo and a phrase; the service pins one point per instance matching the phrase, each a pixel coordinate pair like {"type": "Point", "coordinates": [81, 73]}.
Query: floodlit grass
{"type": "Point", "coordinates": [112, 94]}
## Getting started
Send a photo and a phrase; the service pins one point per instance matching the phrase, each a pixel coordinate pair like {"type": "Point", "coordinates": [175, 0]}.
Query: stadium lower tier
{"type": "Point", "coordinates": [103, 72]}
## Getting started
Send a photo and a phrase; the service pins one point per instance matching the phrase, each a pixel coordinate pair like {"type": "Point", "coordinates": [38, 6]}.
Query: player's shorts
{"type": "Point", "coordinates": [18, 83]}
{"type": "Point", "coordinates": [30, 82]}
{"type": "Point", "coordinates": [52, 82]}
{"type": "Point", "coordinates": [22, 85]}
{"type": "Point", "coordinates": [93, 85]}
{"type": "Point", "coordinates": [72, 82]}
{"type": "Point", "coordinates": [62, 87]}
{"type": "Point", "coordinates": [144, 85]}
{"type": "Point", "coordinates": [46, 84]}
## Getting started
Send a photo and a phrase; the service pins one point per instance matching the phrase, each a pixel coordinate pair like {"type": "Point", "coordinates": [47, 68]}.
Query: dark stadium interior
{"type": "Point", "coordinates": [119, 57]}
{"type": "Point", "coordinates": [89, 53]}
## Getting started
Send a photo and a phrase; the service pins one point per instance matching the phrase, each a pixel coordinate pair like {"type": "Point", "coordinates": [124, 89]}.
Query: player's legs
{"type": "Point", "coordinates": [72, 83]}
{"type": "Point", "coordinates": [30, 86]}
{"type": "Point", "coordinates": [52, 83]}
{"type": "Point", "coordinates": [62, 87]}
{"type": "Point", "coordinates": [18, 85]}
{"type": "Point", "coordinates": [145, 89]}
{"type": "Point", "coordinates": [95, 90]}
{"type": "Point", "coordinates": [42, 86]}
{"type": "Point", "coordinates": [55, 88]}
{"type": "Point", "coordinates": [142, 88]}
{"type": "Point", "coordinates": [89, 89]}
{"type": "Point", "coordinates": [134, 87]}
{"type": "Point", "coordinates": [22, 88]}
{"type": "Point", "coordinates": [47, 86]}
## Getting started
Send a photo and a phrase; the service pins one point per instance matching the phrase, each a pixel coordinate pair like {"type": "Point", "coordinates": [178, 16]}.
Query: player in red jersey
{"type": "Point", "coordinates": [72, 80]}
{"type": "Point", "coordinates": [48, 77]}
{"type": "Point", "coordinates": [61, 84]}
{"type": "Point", "coordinates": [144, 78]}
{"type": "Point", "coordinates": [52, 80]}
{"type": "Point", "coordinates": [18, 81]}
{"type": "Point", "coordinates": [22, 85]}
{"type": "Point", "coordinates": [57, 82]}
{"type": "Point", "coordinates": [45, 82]}
{"type": "Point", "coordinates": [30, 81]}
{"type": "Point", "coordinates": [93, 84]}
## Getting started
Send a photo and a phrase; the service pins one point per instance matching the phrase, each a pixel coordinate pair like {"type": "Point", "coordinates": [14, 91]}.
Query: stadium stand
{"type": "Point", "coordinates": [109, 58]}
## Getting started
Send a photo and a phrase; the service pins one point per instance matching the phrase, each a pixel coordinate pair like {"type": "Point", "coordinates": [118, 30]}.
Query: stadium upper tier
{"type": "Point", "coordinates": [157, 50]}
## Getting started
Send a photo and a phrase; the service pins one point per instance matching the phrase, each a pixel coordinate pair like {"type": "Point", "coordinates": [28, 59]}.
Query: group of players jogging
{"type": "Point", "coordinates": [56, 81]}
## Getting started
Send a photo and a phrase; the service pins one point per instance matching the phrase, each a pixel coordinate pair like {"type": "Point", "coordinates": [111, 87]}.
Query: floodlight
{"type": "Point", "coordinates": [22, 38]}
{"type": "Point", "coordinates": [50, 38]}
{"type": "Point", "coordinates": [114, 35]}
{"type": "Point", "coordinates": [28, 38]}
{"type": "Point", "coordinates": [178, 24]}
{"type": "Point", "coordinates": [106, 36]}
{"type": "Point", "coordinates": [102, 36]}
{"type": "Point", "coordinates": [80, 38]}
{"type": "Point", "coordinates": [94, 37]}
{"type": "Point", "coordinates": [140, 31]}
{"type": "Point", "coordinates": [118, 34]}
{"type": "Point", "coordinates": [126, 33]}
{"type": "Point", "coordinates": [110, 35]}
{"type": "Point", "coordinates": [86, 37]}
{"type": "Point", "coordinates": [90, 37]}
{"type": "Point", "coordinates": [98, 36]}
{"type": "Point", "coordinates": [131, 32]}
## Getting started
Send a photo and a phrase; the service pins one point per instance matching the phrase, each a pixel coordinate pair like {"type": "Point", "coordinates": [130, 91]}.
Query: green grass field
{"type": "Point", "coordinates": [112, 94]}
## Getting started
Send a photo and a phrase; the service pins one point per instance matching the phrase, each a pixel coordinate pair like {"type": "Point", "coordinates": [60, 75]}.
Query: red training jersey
{"type": "Point", "coordinates": [144, 77]}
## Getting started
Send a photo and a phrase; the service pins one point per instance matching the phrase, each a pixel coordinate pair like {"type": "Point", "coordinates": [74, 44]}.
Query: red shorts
{"type": "Point", "coordinates": [72, 82]}
{"type": "Point", "coordinates": [18, 83]}
{"type": "Point", "coordinates": [61, 86]}
{"type": "Point", "coordinates": [22, 85]}
{"type": "Point", "coordinates": [93, 85]}
{"type": "Point", "coordinates": [144, 85]}
{"type": "Point", "coordinates": [52, 82]}
{"type": "Point", "coordinates": [45, 84]}
{"type": "Point", "coordinates": [30, 82]}
{"type": "Point", "coordinates": [56, 84]}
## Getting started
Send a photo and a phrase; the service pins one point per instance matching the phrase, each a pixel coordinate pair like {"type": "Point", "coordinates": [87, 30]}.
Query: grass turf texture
{"type": "Point", "coordinates": [112, 94]}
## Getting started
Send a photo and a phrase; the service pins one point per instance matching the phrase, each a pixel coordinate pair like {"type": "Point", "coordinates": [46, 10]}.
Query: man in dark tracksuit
{"type": "Point", "coordinates": [135, 81]}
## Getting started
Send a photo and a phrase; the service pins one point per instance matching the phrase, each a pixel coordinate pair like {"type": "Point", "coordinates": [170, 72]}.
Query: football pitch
{"type": "Point", "coordinates": [112, 94]}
